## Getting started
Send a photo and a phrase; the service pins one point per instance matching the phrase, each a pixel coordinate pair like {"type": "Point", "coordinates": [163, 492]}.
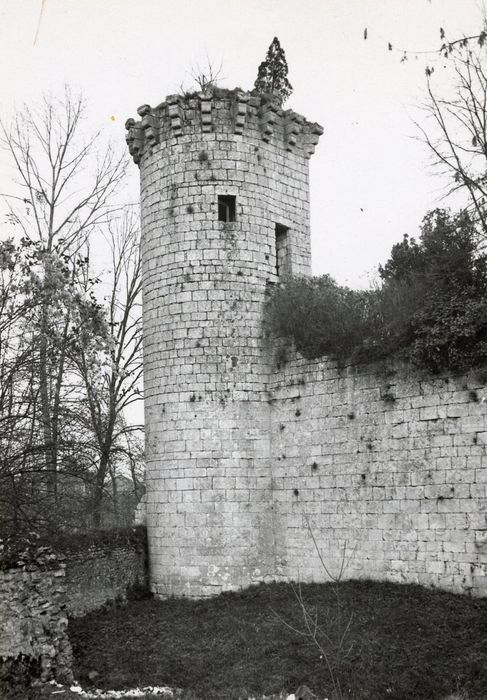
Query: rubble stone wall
{"type": "Point", "coordinates": [40, 588]}
{"type": "Point", "coordinates": [34, 623]}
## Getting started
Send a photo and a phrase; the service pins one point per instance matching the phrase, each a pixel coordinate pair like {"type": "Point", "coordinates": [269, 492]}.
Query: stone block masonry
{"type": "Point", "coordinates": [389, 469]}
{"type": "Point", "coordinates": [241, 457]}
{"type": "Point", "coordinates": [219, 174]}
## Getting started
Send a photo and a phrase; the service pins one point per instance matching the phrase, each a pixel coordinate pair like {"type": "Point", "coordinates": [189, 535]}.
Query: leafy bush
{"type": "Point", "coordinates": [321, 317]}
{"type": "Point", "coordinates": [430, 309]}
{"type": "Point", "coordinates": [22, 552]}
{"type": "Point", "coordinates": [16, 676]}
{"type": "Point", "coordinates": [441, 285]}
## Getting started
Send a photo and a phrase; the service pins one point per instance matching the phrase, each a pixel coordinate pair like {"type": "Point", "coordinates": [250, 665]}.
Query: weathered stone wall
{"type": "Point", "coordinates": [39, 588]}
{"type": "Point", "coordinates": [33, 624]}
{"type": "Point", "coordinates": [387, 466]}
{"type": "Point", "coordinates": [101, 574]}
{"type": "Point", "coordinates": [208, 471]}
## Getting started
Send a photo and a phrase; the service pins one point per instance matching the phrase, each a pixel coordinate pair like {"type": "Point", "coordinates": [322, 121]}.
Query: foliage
{"type": "Point", "coordinates": [26, 481]}
{"type": "Point", "coordinates": [430, 309]}
{"type": "Point", "coordinates": [321, 317]}
{"type": "Point", "coordinates": [112, 381]}
{"type": "Point", "coordinates": [406, 641]}
{"type": "Point", "coordinates": [16, 675]}
{"type": "Point", "coordinates": [27, 550]}
{"type": "Point", "coordinates": [62, 429]}
{"type": "Point", "coordinates": [272, 73]}
{"type": "Point", "coordinates": [31, 548]}
{"type": "Point", "coordinates": [433, 298]}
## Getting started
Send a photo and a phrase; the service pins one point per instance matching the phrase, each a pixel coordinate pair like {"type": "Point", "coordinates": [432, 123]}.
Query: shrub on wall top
{"type": "Point", "coordinates": [430, 308]}
{"type": "Point", "coordinates": [70, 542]}
{"type": "Point", "coordinates": [30, 548]}
{"type": "Point", "coordinates": [321, 317]}
{"type": "Point", "coordinates": [26, 552]}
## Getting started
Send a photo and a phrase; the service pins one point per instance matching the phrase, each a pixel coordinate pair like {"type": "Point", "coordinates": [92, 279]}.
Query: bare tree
{"type": "Point", "coordinates": [112, 379]}
{"type": "Point", "coordinates": [457, 131]}
{"type": "Point", "coordinates": [18, 400]}
{"type": "Point", "coordinates": [51, 313]}
{"type": "Point", "coordinates": [64, 191]}
{"type": "Point", "coordinates": [331, 638]}
{"type": "Point", "coordinates": [207, 78]}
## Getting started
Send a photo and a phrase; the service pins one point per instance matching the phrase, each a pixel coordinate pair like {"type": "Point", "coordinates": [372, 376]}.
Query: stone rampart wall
{"type": "Point", "coordinates": [387, 467]}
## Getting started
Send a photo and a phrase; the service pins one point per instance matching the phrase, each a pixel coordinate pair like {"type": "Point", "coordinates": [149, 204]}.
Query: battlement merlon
{"type": "Point", "coordinates": [223, 111]}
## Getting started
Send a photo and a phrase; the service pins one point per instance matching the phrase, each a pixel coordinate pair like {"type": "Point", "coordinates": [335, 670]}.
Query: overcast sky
{"type": "Point", "coordinates": [371, 180]}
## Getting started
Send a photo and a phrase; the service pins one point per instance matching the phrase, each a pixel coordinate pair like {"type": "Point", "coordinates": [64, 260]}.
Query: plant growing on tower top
{"type": "Point", "coordinates": [272, 73]}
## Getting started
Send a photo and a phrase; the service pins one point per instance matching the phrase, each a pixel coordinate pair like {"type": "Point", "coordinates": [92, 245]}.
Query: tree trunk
{"type": "Point", "coordinates": [98, 492]}
{"type": "Point", "coordinates": [49, 451]}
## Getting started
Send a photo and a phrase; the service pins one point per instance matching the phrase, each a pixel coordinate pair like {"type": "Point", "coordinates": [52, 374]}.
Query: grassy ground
{"type": "Point", "coordinates": [403, 643]}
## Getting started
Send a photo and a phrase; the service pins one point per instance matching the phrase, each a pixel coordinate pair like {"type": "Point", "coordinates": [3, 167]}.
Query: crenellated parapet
{"type": "Point", "coordinates": [221, 111]}
{"type": "Point", "coordinates": [205, 110]}
{"type": "Point", "coordinates": [174, 114]}
{"type": "Point", "coordinates": [149, 124]}
{"type": "Point", "coordinates": [269, 116]}
{"type": "Point", "coordinates": [313, 134]}
{"type": "Point", "coordinates": [240, 109]}
{"type": "Point", "coordinates": [135, 139]}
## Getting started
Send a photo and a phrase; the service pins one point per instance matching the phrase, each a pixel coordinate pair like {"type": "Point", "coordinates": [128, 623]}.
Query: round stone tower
{"type": "Point", "coordinates": [225, 211]}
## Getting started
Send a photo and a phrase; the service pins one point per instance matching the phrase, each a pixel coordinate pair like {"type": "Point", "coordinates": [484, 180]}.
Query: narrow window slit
{"type": "Point", "coordinates": [282, 250]}
{"type": "Point", "coordinates": [227, 205]}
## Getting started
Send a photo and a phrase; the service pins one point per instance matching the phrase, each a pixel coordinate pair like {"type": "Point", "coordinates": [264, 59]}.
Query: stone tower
{"type": "Point", "coordinates": [225, 211]}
